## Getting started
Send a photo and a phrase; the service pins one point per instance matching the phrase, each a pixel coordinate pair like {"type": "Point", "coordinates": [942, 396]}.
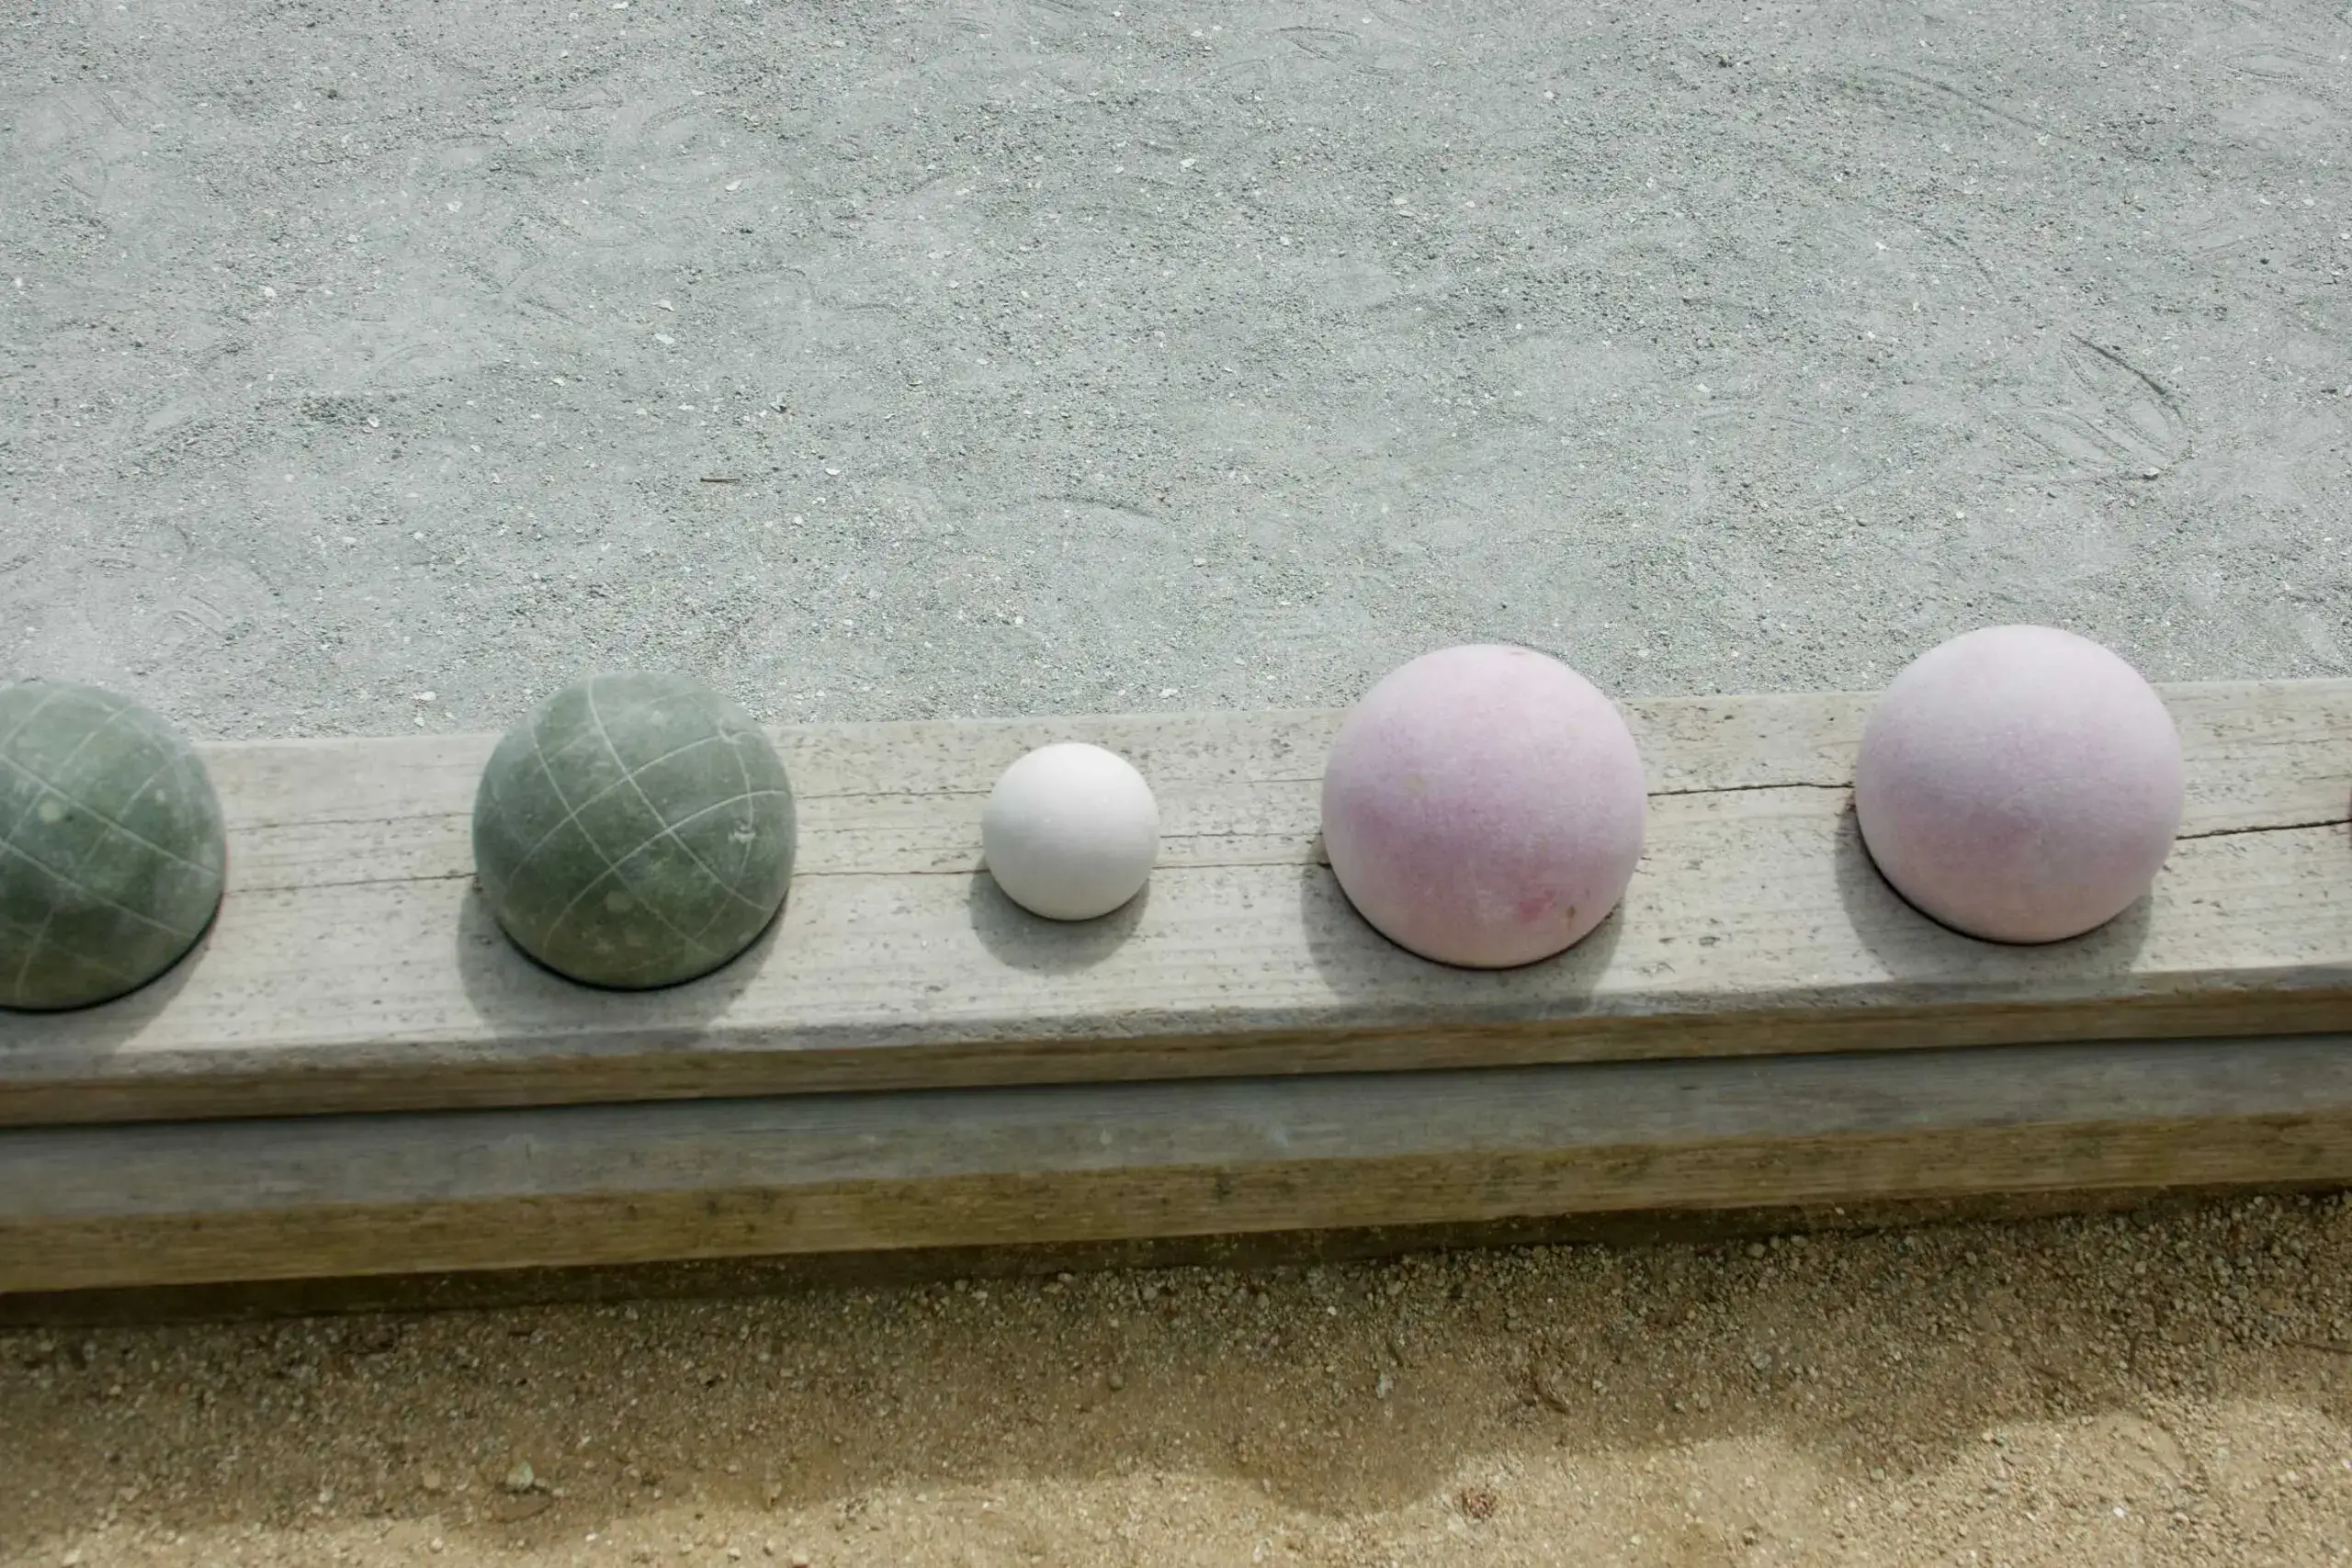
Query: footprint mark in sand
{"type": "Point", "coordinates": [192, 619]}
{"type": "Point", "coordinates": [1933, 103]}
{"type": "Point", "coordinates": [2118, 420]}
{"type": "Point", "coordinates": [2286, 63]}
{"type": "Point", "coordinates": [1324, 43]}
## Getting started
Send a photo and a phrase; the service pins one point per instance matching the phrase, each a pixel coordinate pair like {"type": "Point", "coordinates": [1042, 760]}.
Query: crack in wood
{"type": "Point", "coordinates": [2268, 827]}
{"type": "Point", "coordinates": [404, 880]}
{"type": "Point", "coordinates": [1747, 789]}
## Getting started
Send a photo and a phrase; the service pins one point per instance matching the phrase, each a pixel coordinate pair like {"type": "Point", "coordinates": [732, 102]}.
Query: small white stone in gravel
{"type": "Point", "coordinates": [522, 1478]}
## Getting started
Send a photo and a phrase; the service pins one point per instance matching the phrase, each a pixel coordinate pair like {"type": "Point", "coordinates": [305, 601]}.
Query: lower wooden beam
{"type": "Point", "coordinates": [1261, 1252]}
{"type": "Point", "coordinates": [130, 1205]}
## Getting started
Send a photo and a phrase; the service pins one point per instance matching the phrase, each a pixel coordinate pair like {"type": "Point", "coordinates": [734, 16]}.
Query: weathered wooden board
{"type": "Point", "coordinates": [312, 1196]}
{"type": "Point", "coordinates": [352, 970]}
{"type": "Point", "coordinates": [708, 1278]}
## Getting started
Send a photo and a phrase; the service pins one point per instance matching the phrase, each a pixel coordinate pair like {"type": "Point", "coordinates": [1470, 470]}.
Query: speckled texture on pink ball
{"type": "Point", "coordinates": [1483, 806]}
{"type": "Point", "coordinates": [2020, 783]}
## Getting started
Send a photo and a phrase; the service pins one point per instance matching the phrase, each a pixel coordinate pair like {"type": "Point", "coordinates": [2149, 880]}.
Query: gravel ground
{"type": "Point", "coordinates": [999, 357]}
{"type": "Point", "coordinates": [2167, 1388]}
{"type": "Point", "coordinates": [375, 367]}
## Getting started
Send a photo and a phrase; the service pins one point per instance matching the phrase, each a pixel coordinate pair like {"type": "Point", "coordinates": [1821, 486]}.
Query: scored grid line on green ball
{"type": "Point", "coordinates": [48, 696]}
{"type": "Point", "coordinates": [99, 854]}
{"type": "Point", "coordinates": [43, 788]}
{"type": "Point", "coordinates": [627, 840]}
{"type": "Point", "coordinates": [743, 841]}
{"type": "Point", "coordinates": [571, 818]}
{"type": "Point", "coordinates": [669, 829]}
{"type": "Point", "coordinates": [631, 778]}
{"type": "Point", "coordinates": [114, 716]}
{"type": "Point", "coordinates": [78, 878]}
{"type": "Point", "coordinates": [111, 823]}
{"type": "Point", "coordinates": [612, 870]}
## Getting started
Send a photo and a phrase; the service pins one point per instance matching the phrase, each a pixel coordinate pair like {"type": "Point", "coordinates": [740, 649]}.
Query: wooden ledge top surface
{"type": "Point", "coordinates": [352, 968]}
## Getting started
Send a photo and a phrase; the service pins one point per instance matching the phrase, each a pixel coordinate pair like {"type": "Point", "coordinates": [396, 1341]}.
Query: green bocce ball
{"type": "Point", "coordinates": [634, 831]}
{"type": "Point", "coordinates": [111, 846]}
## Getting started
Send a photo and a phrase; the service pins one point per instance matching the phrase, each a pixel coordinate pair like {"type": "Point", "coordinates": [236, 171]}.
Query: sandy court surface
{"type": "Point", "coordinates": [372, 367]}
{"type": "Point", "coordinates": [2174, 1388]}
{"type": "Point", "coordinates": [369, 367]}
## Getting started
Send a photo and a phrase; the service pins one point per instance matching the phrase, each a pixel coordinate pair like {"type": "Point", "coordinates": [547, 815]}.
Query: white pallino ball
{"type": "Point", "coordinates": [1070, 831]}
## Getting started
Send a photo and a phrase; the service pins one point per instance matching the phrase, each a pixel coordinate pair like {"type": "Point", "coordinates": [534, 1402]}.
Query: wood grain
{"type": "Point", "coordinates": [352, 969]}
{"type": "Point", "coordinates": [317, 1197]}
{"type": "Point", "coordinates": [707, 1279]}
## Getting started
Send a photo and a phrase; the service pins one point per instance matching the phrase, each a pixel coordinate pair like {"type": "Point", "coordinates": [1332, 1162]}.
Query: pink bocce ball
{"type": "Point", "coordinates": [2020, 783]}
{"type": "Point", "coordinates": [1483, 806]}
